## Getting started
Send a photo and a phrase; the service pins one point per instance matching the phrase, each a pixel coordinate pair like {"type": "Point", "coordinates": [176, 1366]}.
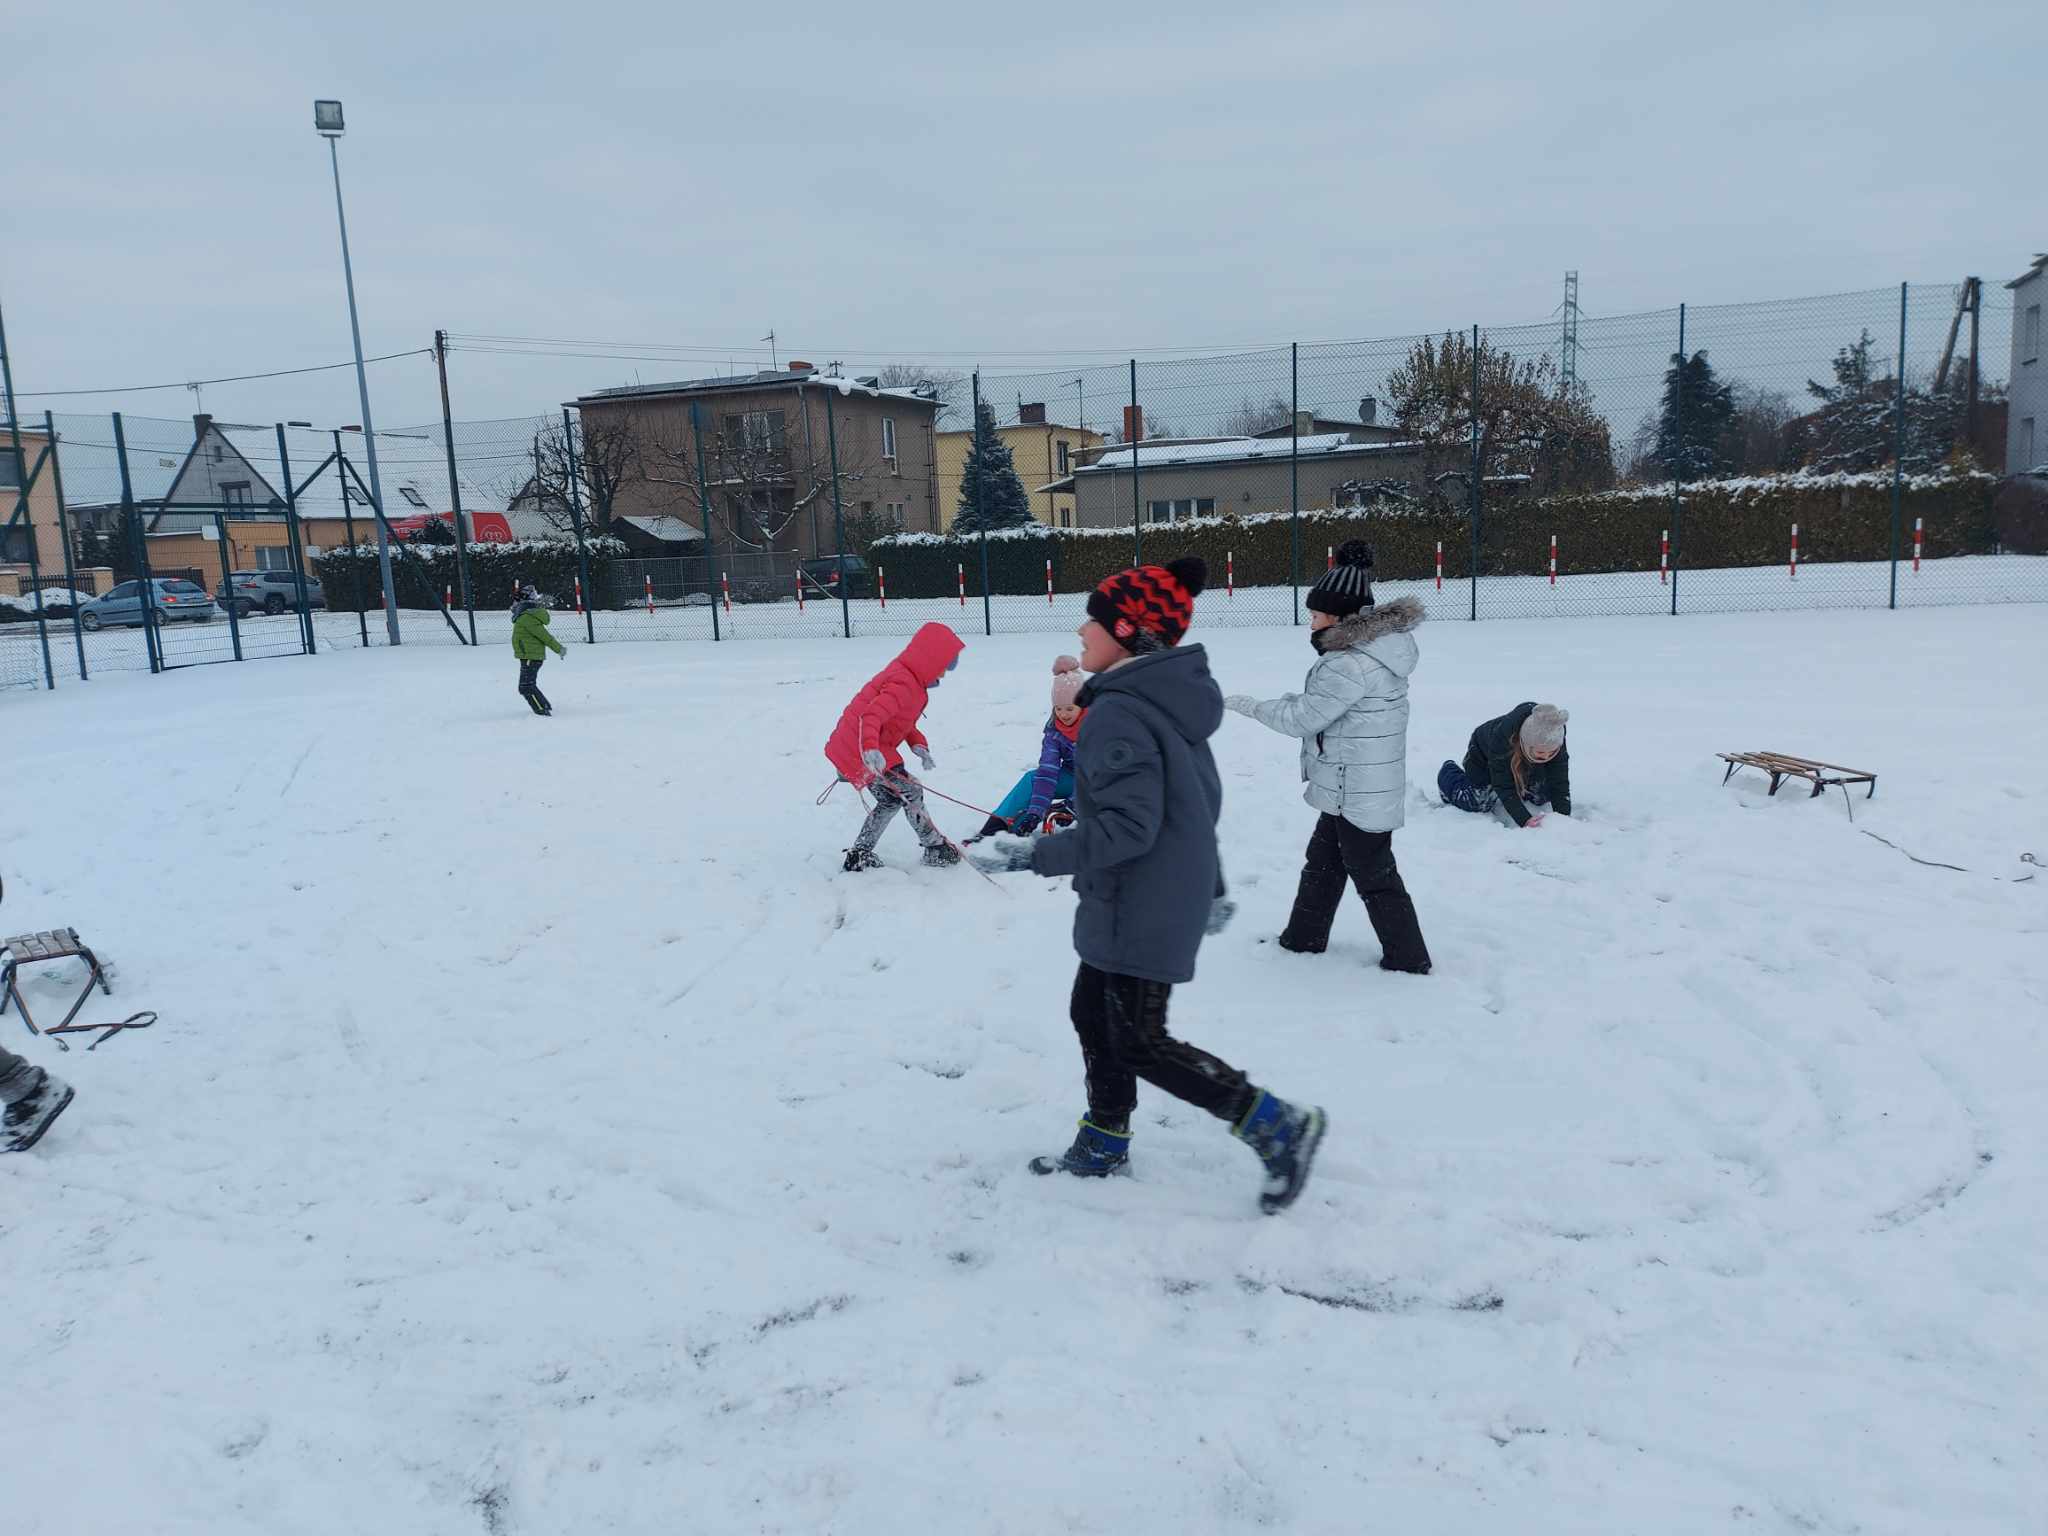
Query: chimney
{"type": "Point", "coordinates": [1367, 409]}
{"type": "Point", "coordinates": [797, 366]}
{"type": "Point", "coordinates": [1134, 423]}
{"type": "Point", "coordinates": [201, 425]}
{"type": "Point", "coordinates": [1032, 414]}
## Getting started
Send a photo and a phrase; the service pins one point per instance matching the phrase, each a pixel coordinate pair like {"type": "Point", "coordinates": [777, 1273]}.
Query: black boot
{"type": "Point", "coordinates": [941, 855]}
{"type": "Point", "coordinates": [859, 858]}
{"type": "Point", "coordinates": [30, 1115]}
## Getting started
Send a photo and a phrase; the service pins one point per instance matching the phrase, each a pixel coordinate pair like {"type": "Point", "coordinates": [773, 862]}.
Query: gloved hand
{"type": "Point", "coordinates": [1221, 911]}
{"type": "Point", "coordinates": [1240, 703]}
{"type": "Point", "coordinates": [1008, 858]}
{"type": "Point", "coordinates": [924, 755]}
{"type": "Point", "coordinates": [1534, 821]}
{"type": "Point", "coordinates": [876, 763]}
{"type": "Point", "coordinates": [1025, 822]}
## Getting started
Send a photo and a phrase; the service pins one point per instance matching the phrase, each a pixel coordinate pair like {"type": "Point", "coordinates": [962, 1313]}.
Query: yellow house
{"type": "Point", "coordinates": [42, 528]}
{"type": "Point", "coordinates": [1044, 452]}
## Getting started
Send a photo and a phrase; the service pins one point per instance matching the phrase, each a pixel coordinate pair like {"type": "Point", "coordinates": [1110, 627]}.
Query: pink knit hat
{"type": "Point", "coordinates": [1066, 682]}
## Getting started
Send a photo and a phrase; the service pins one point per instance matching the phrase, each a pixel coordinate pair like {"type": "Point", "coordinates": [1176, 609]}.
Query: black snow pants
{"type": "Point", "coordinates": [1338, 850]}
{"type": "Point", "coordinates": [529, 688]}
{"type": "Point", "coordinates": [1122, 1024]}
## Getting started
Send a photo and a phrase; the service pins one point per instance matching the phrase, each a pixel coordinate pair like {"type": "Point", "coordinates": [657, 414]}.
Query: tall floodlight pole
{"type": "Point", "coordinates": [327, 123]}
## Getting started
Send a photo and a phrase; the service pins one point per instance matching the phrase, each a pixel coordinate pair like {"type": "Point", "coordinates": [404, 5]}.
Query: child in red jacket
{"type": "Point", "coordinates": [881, 719]}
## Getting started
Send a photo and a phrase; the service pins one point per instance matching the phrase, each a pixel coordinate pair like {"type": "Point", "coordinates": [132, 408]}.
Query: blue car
{"type": "Point", "coordinates": [175, 602]}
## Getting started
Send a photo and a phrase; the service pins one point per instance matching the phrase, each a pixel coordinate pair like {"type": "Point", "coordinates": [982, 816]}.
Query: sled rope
{"type": "Point", "coordinates": [2025, 858]}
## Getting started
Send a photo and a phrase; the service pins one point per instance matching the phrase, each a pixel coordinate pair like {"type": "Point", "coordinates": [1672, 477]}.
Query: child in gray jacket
{"type": "Point", "coordinates": [1351, 717]}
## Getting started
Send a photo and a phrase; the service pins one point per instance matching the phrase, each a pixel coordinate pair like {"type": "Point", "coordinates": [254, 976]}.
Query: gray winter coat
{"type": "Point", "coordinates": [1143, 853]}
{"type": "Point", "coordinates": [1352, 716]}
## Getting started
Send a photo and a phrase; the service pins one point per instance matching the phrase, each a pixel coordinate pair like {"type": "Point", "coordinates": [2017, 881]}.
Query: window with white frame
{"type": "Point", "coordinates": [274, 558]}
{"type": "Point", "coordinates": [2030, 343]}
{"type": "Point", "coordinates": [889, 441]}
{"type": "Point", "coordinates": [1180, 509]}
{"type": "Point", "coordinates": [1064, 457]}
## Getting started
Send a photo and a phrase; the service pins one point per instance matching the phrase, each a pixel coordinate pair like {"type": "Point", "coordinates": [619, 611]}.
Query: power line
{"type": "Point", "coordinates": [237, 378]}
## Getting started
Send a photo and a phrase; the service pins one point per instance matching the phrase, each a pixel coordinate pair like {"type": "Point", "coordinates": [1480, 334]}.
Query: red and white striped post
{"type": "Point", "coordinates": [962, 570]}
{"type": "Point", "coordinates": [1916, 546]}
{"type": "Point", "coordinates": [448, 594]}
{"type": "Point", "coordinates": [799, 590]}
{"type": "Point", "coordinates": [1664, 559]}
{"type": "Point", "coordinates": [650, 594]}
{"type": "Point", "coordinates": [1230, 575]}
{"type": "Point", "coordinates": [725, 586]}
{"type": "Point", "coordinates": [1553, 559]}
{"type": "Point", "coordinates": [579, 594]}
{"type": "Point", "coordinates": [1439, 565]}
{"type": "Point", "coordinates": [882, 586]}
{"type": "Point", "coordinates": [1330, 560]}
{"type": "Point", "coordinates": [1048, 583]}
{"type": "Point", "coordinates": [1795, 552]}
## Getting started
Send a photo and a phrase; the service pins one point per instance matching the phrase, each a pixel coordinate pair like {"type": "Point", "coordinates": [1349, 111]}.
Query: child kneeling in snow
{"type": "Point", "coordinates": [1146, 869]}
{"type": "Point", "coordinates": [1512, 763]}
{"type": "Point", "coordinates": [1024, 807]}
{"type": "Point", "coordinates": [881, 719]}
{"type": "Point", "coordinates": [1351, 718]}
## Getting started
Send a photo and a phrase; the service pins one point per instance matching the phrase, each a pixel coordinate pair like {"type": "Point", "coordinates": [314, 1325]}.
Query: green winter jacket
{"type": "Point", "coordinates": [530, 638]}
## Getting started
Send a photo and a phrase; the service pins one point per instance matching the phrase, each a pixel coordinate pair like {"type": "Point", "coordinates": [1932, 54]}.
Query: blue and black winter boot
{"type": "Point", "coordinates": [1097, 1152]}
{"type": "Point", "coordinates": [1285, 1139]}
{"type": "Point", "coordinates": [1456, 789]}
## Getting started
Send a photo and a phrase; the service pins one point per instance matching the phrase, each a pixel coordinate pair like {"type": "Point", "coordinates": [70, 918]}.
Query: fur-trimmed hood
{"type": "Point", "coordinates": [1369, 624]}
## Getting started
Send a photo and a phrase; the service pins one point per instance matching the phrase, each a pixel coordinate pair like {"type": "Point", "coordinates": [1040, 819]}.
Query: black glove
{"type": "Point", "coordinates": [1025, 823]}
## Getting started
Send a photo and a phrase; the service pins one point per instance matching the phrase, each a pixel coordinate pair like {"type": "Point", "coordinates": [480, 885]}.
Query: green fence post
{"type": "Point", "coordinates": [576, 522]}
{"type": "Point", "coordinates": [1294, 467]}
{"type": "Point", "coordinates": [1472, 502]}
{"type": "Point", "coordinates": [298, 545]}
{"type": "Point", "coordinates": [23, 506]}
{"type": "Point", "coordinates": [1678, 433]}
{"type": "Point", "coordinates": [981, 511]}
{"type": "Point", "coordinates": [64, 532]}
{"type": "Point", "coordinates": [227, 581]}
{"type": "Point", "coordinates": [838, 515]}
{"type": "Point", "coordinates": [704, 513]}
{"type": "Point", "coordinates": [1137, 430]}
{"type": "Point", "coordinates": [455, 485]}
{"type": "Point", "coordinates": [139, 552]}
{"type": "Point", "coordinates": [1899, 452]}
{"type": "Point", "coordinates": [348, 518]}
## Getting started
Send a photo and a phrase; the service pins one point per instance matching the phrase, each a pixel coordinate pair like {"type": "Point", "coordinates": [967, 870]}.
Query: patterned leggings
{"type": "Point", "coordinates": [897, 791]}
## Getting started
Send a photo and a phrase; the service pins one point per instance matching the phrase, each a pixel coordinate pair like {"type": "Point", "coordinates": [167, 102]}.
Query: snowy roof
{"type": "Point", "coordinates": [672, 530]}
{"type": "Point", "coordinates": [2040, 265]}
{"type": "Point", "coordinates": [1234, 450]}
{"type": "Point", "coordinates": [768, 379]}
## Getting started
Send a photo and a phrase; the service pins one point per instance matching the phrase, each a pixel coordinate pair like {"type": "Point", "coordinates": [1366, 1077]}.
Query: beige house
{"type": "Point", "coordinates": [763, 444]}
{"type": "Point", "coordinates": [1045, 453]}
{"type": "Point", "coordinates": [1179, 479]}
{"type": "Point", "coordinates": [42, 531]}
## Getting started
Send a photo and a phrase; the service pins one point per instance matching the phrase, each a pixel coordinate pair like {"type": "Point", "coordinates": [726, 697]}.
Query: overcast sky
{"type": "Point", "coordinates": [953, 184]}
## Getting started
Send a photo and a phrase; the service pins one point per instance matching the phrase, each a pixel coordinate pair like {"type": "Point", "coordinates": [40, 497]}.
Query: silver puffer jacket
{"type": "Point", "coordinates": [1352, 716]}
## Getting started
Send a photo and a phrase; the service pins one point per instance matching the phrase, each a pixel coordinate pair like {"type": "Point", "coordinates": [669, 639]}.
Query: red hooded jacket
{"type": "Point", "coordinates": [883, 715]}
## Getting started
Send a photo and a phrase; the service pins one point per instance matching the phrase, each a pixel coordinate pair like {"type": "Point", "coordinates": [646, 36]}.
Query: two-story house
{"type": "Point", "coordinates": [761, 447]}
{"type": "Point", "coordinates": [2026, 431]}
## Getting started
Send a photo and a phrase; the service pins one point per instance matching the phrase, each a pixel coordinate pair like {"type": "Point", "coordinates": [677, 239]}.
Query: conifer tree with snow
{"type": "Point", "coordinates": [1692, 425]}
{"type": "Point", "coordinates": [991, 495]}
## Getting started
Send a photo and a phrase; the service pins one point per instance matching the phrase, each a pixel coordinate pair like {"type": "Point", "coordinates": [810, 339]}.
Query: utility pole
{"type": "Point", "coordinates": [1568, 344]}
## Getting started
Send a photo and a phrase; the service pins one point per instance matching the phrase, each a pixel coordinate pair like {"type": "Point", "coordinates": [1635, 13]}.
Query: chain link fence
{"type": "Point", "coordinates": [1825, 452]}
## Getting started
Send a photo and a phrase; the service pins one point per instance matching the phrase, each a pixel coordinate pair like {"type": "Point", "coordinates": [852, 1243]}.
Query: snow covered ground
{"type": "Point", "coordinates": [542, 1135]}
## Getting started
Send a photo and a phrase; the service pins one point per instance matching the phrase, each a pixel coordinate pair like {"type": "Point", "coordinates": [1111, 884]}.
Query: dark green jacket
{"type": "Point", "coordinates": [1487, 763]}
{"type": "Point", "coordinates": [530, 638]}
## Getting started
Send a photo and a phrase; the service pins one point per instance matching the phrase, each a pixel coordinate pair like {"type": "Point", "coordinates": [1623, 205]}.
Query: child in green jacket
{"type": "Point", "coordinates": [531, 643]}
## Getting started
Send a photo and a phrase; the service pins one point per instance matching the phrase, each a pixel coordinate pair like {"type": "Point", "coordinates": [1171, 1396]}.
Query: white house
{"type": "Point", "coordinates": [2026, 440]}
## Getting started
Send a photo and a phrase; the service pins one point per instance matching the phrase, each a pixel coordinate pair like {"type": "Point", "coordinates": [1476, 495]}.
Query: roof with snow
{"type": "Point", "coordinates": [2040, 265]}
{"type": "Point", "coordinates": [1235, 450]}
{"type": "Point", "coordinates": [671, 530]}
{"type": "Point", "coordinates": [767, 380]}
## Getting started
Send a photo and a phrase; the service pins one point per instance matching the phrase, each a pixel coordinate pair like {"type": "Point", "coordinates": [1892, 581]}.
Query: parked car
{"type": "Point", "coordinates": [272, 591]}
{"type": "Point", "coordinates": [175, 601]}
{"type": "Point", "coordinates": [822, 576]}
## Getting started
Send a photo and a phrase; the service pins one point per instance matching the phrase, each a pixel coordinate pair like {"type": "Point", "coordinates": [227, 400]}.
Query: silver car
{"type": "Point", "coordinates": [175, 601]}
{"type": "Point", "coordinates": [271, 592]}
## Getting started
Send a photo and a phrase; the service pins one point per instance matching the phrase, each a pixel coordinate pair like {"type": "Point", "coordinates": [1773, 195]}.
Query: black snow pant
{"type": "Point", "coordinates": [897, 791]}
{"type": "Point", "coordinates": [529, 687]}
{"type": "Point", "coordinates": [1336, 850]}
{"type": "Point", "coordinates": [15, 1076]}
{"type": "Point", "coordinates": [1122, 1024]}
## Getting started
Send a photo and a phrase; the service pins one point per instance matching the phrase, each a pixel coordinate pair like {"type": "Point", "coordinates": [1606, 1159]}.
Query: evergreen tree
{"type": "Point", "coordinates": [1693, 423]}
{"type": "Point", "coordinates": [991, 495]}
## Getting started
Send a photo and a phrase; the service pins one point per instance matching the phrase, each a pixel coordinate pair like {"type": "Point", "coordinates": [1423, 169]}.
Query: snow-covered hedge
{"type": "Point", "coordinates": [349, 577]}
{"type": "Point", "coordinates": [57, 603]}
{"type": "Point", "coordinates": [1724, 523]}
